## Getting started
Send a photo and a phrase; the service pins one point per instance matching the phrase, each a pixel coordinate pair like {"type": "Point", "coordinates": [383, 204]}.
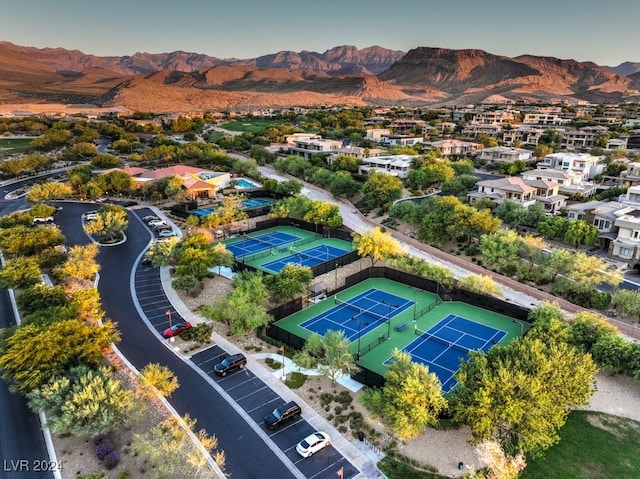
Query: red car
{"type": "Point", "coordinates": [176, 329]}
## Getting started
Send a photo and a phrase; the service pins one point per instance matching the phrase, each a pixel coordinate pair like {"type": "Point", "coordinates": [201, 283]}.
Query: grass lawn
{"type": "Point", "coordinates": [592, 445]}
{"type": "Point", "coordinates": [248, 126]}
{"type": "Point", "coordinates": [16, 145]}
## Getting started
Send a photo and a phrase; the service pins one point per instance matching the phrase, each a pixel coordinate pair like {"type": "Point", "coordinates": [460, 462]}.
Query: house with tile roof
{"type": "Point", "coordinates": [198, 182]}
{"type": "Point", "coordinates": [525, 193]}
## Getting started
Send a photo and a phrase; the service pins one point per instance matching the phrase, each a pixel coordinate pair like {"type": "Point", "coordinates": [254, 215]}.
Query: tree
{"type": "Point", "coordinates": [53, 348]}
{"type": "Point", "coordinates": [480, 284]}
{"type": "Point", "coordinates": [221, 256]}
{"type": "Point", "coordinates": [501, 250]}
{"type": "Point", "coordinates": [162, 253]}
{"type": "Point", "coordinates": [613, 352]}
{"type": "Point", "coordinates": [377, 244]}
{"type": "Point", "coordinates": [169, 448]}
{"type": "Point", "coordinates": [157, 379]}
{"type": "Point", "coordinates": [244, 308]}
{"type": "Point", "coordinates": [81, 264]}
{"type": "Point", "coordinates": [381, 190]}
{"type": "Point", "coordinates": [48, 191]}
{"type": "Point", "coordinates": [342, 183]}
{"type": "Point", "coordinates": [27, 241]}
{"type": "Point", "coordinates": [291, 282]}
{"type": "Point", "coordinates": [411, 398]}
{"type": "Point", "coordinates": [587, 272]}
{"type": "Point", "coordinates": [627, 302]}
{"type": "Point", "coordinates": [587, 329]}
{"type": "Point", "coordinates": [85, 402]}
{"type": "Point", "coordinates": [330, 353]}
{"type": "Point", "coordinates": [520, 394]}
{"type": "Point", "coordinates": [110, 222]}
{"type": "Point", "coordinates": [20, 272]}
{"type": "Point", "coordinates": [579, 232]}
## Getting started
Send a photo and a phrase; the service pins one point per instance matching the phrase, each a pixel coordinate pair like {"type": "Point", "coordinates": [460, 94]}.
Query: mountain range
{"type": "Point", "coordinates": [345, 75]}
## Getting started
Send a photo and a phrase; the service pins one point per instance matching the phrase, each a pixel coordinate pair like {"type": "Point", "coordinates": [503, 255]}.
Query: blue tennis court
{"type": "Point", "coordinates": [309, 257]}
{"type": "Point", "coordinates": [256, 244]}
{"type": "Point", "coordinates": [358, 315]}
{"type": "Point", "coordinates": [442, 346]}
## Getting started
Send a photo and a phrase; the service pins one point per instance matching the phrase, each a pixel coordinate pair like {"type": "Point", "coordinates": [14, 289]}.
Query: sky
{"type": "Point", "coordinates": [604, 32]}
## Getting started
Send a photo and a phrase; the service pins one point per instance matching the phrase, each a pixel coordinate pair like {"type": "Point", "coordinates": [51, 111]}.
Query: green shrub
{"type": "Point", "coordinates": [295, 380]}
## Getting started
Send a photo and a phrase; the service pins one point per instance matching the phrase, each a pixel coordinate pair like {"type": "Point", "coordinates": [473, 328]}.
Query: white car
{"type": "Point", "coordinates": [156, 223]}
{"type": "Point", "coordinates": [313, 443]}
{"type": "Point", "coordinates": [166, 233]}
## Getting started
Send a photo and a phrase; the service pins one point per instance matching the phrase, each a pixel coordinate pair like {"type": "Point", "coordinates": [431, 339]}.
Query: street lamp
{"type": "Point", "coordinates": [168, 313]}
{"type": "Point", "coordinates": [389, 317]}
{"type": "Point", "coordinates": [521, 326]}
{"type": "Point", "coordinates": [284, 376]}
{"type": "Point", "coordinates": [359, 334]}
{"type": "Point", "coordinates": [336, 270]}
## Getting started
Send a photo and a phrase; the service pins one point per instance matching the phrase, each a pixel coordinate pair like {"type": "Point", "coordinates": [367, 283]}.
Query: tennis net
{"type": "Point", "coordinates": [437, 339]}
{"type": "Point", "coordinates": [259, 240]}
{"type": "Point", "coordinates": [359, 310]}
{"type": "Point", "coordinates": [309, 256]}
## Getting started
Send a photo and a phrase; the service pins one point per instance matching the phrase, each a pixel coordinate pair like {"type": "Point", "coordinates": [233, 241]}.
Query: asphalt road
{"type": "Point", "coordinates": [248, 456]}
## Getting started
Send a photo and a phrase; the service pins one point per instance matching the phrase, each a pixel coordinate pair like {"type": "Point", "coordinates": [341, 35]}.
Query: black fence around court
{"type": "Point", "coordinates": [364, 375]}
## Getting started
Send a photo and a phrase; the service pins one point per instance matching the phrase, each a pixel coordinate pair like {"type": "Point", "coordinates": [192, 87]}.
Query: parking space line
{"type": "Point", "coordinates": [244, 382]}
{"type": "Point", "coordinates": [251, 393]}
{"type": "Point", "coordinates": [328, 467]}
{"type": "Point", "coordinates": [277, 398]}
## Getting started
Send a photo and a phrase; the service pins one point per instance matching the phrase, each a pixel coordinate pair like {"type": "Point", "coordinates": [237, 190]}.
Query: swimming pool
{"type": "Point", "coordinates": [243, 184]}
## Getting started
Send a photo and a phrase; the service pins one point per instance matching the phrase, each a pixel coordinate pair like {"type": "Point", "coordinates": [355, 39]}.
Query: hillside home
{"type": "Point", "coordinates": [376, 134]}
{"type": "Point", "coordinates": [523, 134]}
{"type": "Point", "coordinates": [309, 147]}
{"type": "Point", "coordinates": [445, 127]}
{"type": "Point", "coordinates": [587, 165]}
{"type": "Point", "coordinates": [407, 126]}
{"type": "Point", "coordinates": [631, 197]}
{"type": "Point", "coordinates": [472, 130]}
{"type": "Point", "coordinates": [355, 151]}
{"type": "Point", "coordinates": [504, 154]}
{"type": "Point", "coordinates": [395, 165]}
{"type": "Point", "coordinates": [577, 139]}
{"type": "Point", "coordinates": [571, 183]}
{"type": "Point", "coordinates": [619, 143]}
{"type": "Point", "coordinates": [545, 119]}
{"type": "Point", "coordinates": [497, 117]}
{"type": "Point", "coordinates": [602, 215]}
{"type": "Point", "coordinates": [525, 193]}
{"type": "Point", "coordinates": [400, 140]}
{"type": "Point", "coordinates": [454, 148]}
{"type": "Point", "coordinates": [626, 245]}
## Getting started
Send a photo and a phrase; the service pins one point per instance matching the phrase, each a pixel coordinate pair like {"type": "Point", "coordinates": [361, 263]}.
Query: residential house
{"type": "Point", "coordinates": [472, 130]}
{"type": "Point", "coordinates": [602, 215]}
{"type": "Point", "coordinates": [198, 182]}
{"type": "Point", "coordinates": [577, 139]}
{"type": "Point", "coordinates": [626, 245]}
{"type": "Point", "coordinates": [454, 148]}
{"type": "Point", "coordinates": [504, 154]}
{"type": "Point", "coordinates": [523, 134]}
{"type": "Point", "coordinates": [589, 166]}
{"type": "Point", "coordinates": [307, 147]}
{"type": "Point", "coordinates": [631, 175]}
{"type": "Point", "coordinates": [400, 140]}
{"type": "Point", "coordinates": [525, 193]}
{"type": "Point", "coordinates": [404, 126]}
{"type": "Point", "coordinates": [355, 151]}
{"type": "Point", "coordinates": [545, 119]}
{"type": "Point", "coordinates": [631, 197]}
{"type": "Point", "coordinates": [376, 134]}
{"type": "Point", "coordinates": [496, 117]}
{"type": "Point", "coordinates": [445, 127]}
{"type": "Point", "coordinates": [619, 143]}
{"type": "Point", "coordinates": [570, 183]}
{"type": "Point", "coordinates": [396, 165]}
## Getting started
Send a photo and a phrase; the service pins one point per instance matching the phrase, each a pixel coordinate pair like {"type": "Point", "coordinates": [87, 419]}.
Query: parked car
{"type": "Point", "coordinates": [230, 364]}
{"type": "Point", "coordinates": [166, 233]}
{"type": "Point", "coordinates": [313, 443]}
{"type": "Point", "coordinates": [153, 223]}
{"type": "Point", "coordinates": [46, 219]}
{"type": "Point", "coordinates": [282, 414]}
{"type": "Point", "coordinates": [161, 227]}
{"type": "Point", "coordinates": [176, 329]}
{"type": "Point", "coordinates": [148, 218]}
{"type": "Point", "coordinates": [146, 261]}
